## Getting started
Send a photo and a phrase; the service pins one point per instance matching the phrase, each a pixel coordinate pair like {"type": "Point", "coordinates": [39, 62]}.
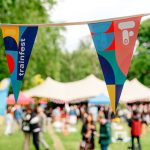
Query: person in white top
{"type": "Point", "coordinates": [42, 124]}
{"type": "Point", "coordinates": [9, 122]}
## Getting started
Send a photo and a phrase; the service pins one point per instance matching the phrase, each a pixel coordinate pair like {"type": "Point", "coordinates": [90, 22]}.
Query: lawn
{"type": "Point", "coordinates": [70, 142]}
{"type": "Point", "coordinates": [15, 141]}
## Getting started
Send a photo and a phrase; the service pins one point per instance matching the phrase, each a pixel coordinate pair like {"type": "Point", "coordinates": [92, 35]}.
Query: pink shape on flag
{"type": "Point", "coordinates": [125, 31]}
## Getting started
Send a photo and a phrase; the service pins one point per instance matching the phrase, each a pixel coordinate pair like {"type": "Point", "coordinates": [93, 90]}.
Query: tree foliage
{"type": "Point", "coordinates": [46, 52]}
{"type": "Point", "coordinates": [79, 64]}
{"type": "Point", "coordinates": [140, 67]}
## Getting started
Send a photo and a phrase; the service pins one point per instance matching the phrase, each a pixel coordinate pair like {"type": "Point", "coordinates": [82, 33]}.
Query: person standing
{"type": "Point", "coordinates": [42, 124]}
{"type": "Point", "coordinates": [35, 128]}
{"type": "Point", "coordinates": [136, 129]}
{"type": "Point", "coordinates": [72, 116]}
{"type": "Point", "coordinates": [87, 132]}
{"type": "Point", "coordinates": [48, 112]}
{"type": "Point", "coordinates": [92, 109]}
{"type": "Point", "coordinates": [9, 122]}
{"type": "Point", "coordinates": [18, 114]}
{"type": "Point", "coordinates": [105, 132]}
{"type": "Point", "coordinates": [26, 127]}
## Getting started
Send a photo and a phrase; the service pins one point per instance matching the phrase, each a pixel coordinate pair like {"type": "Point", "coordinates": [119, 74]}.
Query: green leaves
{"type": "Point", "coordinates": [79, 64]}
{"type": "Point", "coordinates": [3, 65]}
{"type": "Point", "coordinates": [140, 67]}
{"type": "Point", "coordinates": [144, 32]}
{"type": "Point", "coordinates": [46, 49]}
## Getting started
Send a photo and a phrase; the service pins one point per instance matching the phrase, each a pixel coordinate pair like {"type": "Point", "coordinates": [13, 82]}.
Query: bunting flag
{"type": "Point", "coordinates": [18, 41]}
{"type": "Point", "coordinates": [114, 42]}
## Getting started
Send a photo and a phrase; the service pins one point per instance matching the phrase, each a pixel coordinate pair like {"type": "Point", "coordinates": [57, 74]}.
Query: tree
{"type": "Point", "coordinates": [46, 52]}
{"type": "Point", "coordinates": [80, 63]}
{"type": "Point", "coordinates": [3, 65]}
{"type": "Point", "coordinates": [140, 67]}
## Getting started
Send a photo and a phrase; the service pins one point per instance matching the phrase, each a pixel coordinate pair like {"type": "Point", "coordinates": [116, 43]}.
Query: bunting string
{"type": "Point", "coordinates": [74, 23]}
{"type": "Point", "coordinates": [114, 40]}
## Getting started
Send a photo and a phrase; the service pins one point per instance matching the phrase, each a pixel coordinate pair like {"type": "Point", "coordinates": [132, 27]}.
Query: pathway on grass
{"type": "Point", "coordinates": [57, 142]}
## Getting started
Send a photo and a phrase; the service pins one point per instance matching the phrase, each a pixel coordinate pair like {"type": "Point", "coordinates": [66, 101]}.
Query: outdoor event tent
{"type": "Point", "coordinates": [22, 99]}
{"type": "Point", "coordinates": [85, 89]}
{"type": "Point", "coordinates": [68, 92]}
{"type": "Point", "coordinates": [135, 91]}
{"type": "Point", "coordinates": [101, 99]}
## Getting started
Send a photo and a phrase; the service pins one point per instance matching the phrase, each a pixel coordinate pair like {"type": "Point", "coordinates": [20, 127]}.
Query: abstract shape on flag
{"type": "Point", "coordinates": [114, 42]}
{"type": "Point", "coordinates": [18, 42]}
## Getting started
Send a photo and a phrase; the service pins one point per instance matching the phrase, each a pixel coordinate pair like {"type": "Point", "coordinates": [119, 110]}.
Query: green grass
{"type": "Point", "coordinates": [71, 141]}
{"type": "Point", "coordinates": [15, 141]}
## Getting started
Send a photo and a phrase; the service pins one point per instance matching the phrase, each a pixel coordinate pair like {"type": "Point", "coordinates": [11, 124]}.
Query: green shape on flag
{"type": "Point", "coordinates": [110, 56]}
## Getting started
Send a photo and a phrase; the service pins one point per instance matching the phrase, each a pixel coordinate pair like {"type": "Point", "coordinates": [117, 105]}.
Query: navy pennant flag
{"type": "Point", "coordinates": [19, 41]}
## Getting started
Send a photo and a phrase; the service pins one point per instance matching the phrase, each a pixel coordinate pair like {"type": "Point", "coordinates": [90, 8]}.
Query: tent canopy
{"type": "Point", "coordinates": [68, 92]}
{"type": "Point", "coordinates": [134, 91]}
{"type": "Point", "coordinates": [86, 88]}
{"type": "Point", "coordinates": [22, 99]}
{"type": "Point", "coordinates": [101, 99]}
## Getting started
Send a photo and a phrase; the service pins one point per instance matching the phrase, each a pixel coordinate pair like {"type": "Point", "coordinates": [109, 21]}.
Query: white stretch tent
{"type": "Point", "coordinates": [68, 92]}
{"type": "Point", "coordinates": [86, 88]}
{"type": "Point", "coordinates": [134, 91]}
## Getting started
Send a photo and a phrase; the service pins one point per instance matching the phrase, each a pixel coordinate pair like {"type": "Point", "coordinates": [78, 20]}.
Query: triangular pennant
{"type": "Point", "coordinates": [114, 42]}
{"type": "Point", "coordinates": [18, 41]}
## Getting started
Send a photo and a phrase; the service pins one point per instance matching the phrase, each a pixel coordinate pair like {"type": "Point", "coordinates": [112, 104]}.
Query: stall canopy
{"type": "Point", "coordinates": [135, 91]}
{"type": "Point", "coordinates": [22, 99]}
{"type": "Point", "coordinates": [101, 99]}
{"type": "Point", "coordinates": [68, 92]}
{"type": "Point", "coordinates": [85, 89]}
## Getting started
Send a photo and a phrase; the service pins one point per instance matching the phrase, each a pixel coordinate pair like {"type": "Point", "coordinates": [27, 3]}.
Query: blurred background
{"type": "Point", "coordinates": [67, 54]}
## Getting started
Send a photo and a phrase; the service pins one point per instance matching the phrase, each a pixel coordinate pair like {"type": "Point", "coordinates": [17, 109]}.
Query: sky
{"type": "Point", "coordinates": [88, 10]}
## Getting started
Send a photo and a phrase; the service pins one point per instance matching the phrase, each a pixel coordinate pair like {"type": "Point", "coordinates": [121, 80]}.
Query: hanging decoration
{"type": "Point", "coordinates": [18, 41]}
{"type": "Point", "coordinates": [114, 42]}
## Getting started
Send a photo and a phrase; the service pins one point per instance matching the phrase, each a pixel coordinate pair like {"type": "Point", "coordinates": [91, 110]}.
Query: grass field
{"type": "Point", "coordinates": [15, 141]}
{"type": "Point", "coordinates": [70, 142]}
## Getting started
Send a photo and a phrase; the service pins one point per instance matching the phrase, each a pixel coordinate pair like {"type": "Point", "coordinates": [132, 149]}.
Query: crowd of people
{"type": "Point", "coordinates": [31, 120]}
{"type": "Point", "coordinates": [96, 123]}
{"type": "Point", "coordinates": [89, 119]}
{"type": "Point", "coordinates": [137, 117]}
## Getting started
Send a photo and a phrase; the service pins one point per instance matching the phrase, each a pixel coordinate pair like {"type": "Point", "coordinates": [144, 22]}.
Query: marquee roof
{"type": "Point", "coordinates": [85, 89]}
{"type": "Point", "coordinates": [68, 92]}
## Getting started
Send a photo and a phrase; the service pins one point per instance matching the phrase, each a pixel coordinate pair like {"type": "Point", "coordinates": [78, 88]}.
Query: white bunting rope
{"type": "Point", "coordinates": [73, 23]}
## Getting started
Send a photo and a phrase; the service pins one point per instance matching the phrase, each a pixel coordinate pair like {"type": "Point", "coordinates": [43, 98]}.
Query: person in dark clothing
{"type": "Point", "coordinates": [105, 132]}
{"type": "Point", "coordinates": [30, 125]}
{"type": "Point", "coordinates": [26, 128]}
{"type": "Point", "coordinates": [87, 132]}
{"type": "Point", "coordinates": [136, 129]}
{"type": "Point", "coordinates": [48, 112]}
{"type": "Point", "coordinates": [35, 129]}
